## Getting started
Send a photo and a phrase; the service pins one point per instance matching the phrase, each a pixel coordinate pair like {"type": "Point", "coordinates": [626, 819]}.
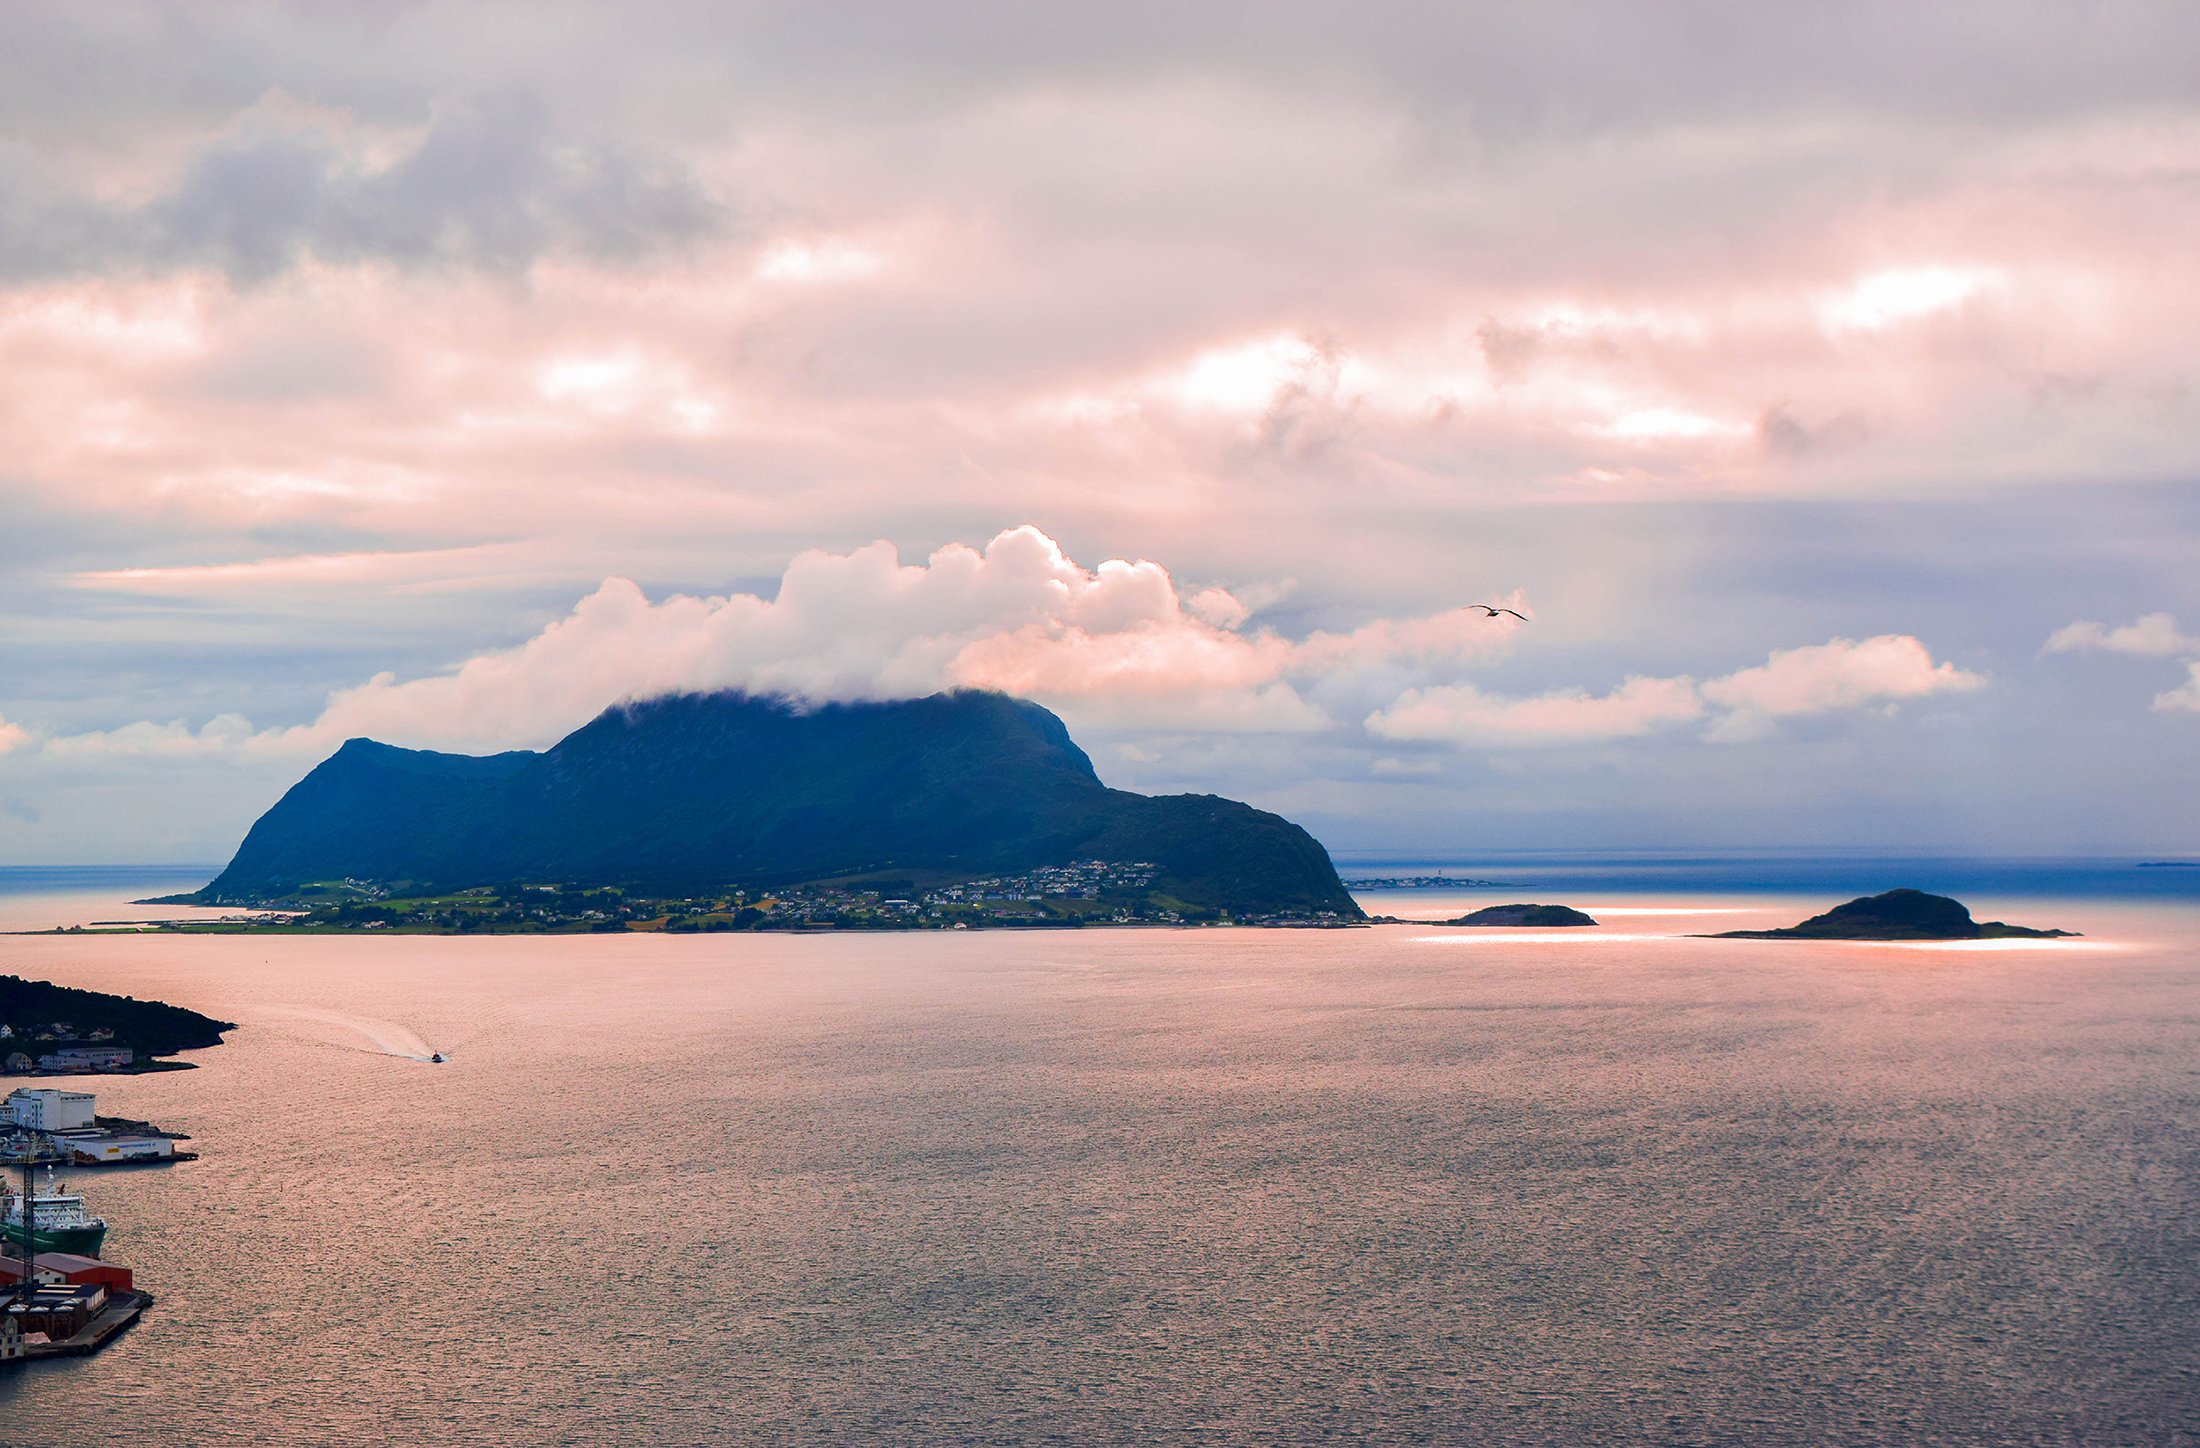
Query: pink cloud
{"type": "Point", "coordinates": [1817, 679]}
{"type": "Point", "coordinates": [2154, 636]}
{"type": "Point", "coordinates": [1113, 644]}
{"type": "Point", "coordinates": [2186, 696]}
{"type": "Point", "coordinates": [1463, 714]}
{"type": "Point", "coordinates": [1454, 636]}
{"type": "Point", "coordinates": [226, 734]}
{"type": "Point", "coordinates": [1838, 674]}
{"type": "Point", "coordinates": [1117, 645]}
{"type": "Point", "coordinates": [957, 349]}
{"type": "Point", "coordinates": [426, 569]}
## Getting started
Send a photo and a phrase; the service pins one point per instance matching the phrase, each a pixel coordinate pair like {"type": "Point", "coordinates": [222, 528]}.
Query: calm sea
{"type": "Point", "coordinates": [1388, 1185]}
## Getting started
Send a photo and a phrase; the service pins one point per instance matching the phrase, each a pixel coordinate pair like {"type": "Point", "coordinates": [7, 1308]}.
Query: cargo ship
{"type": "Point", "coordinates": [59, 1222]}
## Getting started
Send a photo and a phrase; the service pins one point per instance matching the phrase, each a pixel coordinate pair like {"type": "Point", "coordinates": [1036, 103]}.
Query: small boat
{"type": "Point", "coordinates": [439, 1058]}
{"type": "Point", "coordinates": [59, 1222]}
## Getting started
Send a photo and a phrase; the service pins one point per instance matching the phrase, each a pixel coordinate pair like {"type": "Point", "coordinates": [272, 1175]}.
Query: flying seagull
{"type": "Point", "coordinates": [1494, 612]}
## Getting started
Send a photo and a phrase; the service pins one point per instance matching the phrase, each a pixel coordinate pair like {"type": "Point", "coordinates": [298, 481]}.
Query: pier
{"type": "Point", "coordinates": [115, 1316]}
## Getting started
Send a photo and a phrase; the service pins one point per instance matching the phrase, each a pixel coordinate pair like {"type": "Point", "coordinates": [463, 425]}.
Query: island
{"type": "Point", "coordinates": [58, 1030]}
{"type": "Point", "coordinates": [1543, 916]}
{"type": "Point", "coordinates": [733, 811]}
{"type": "Point", "coordinates": [1898, 915]}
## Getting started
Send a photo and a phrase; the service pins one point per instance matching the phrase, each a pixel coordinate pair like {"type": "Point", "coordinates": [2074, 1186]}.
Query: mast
{"type": "Point", "coordinates": [30, 1187]}
{"type": "Point", "coordinates": [34, 1150]}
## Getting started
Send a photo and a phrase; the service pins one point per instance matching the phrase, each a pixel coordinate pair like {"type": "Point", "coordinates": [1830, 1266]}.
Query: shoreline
{"type": "Point", "coordinates": [324, 932]}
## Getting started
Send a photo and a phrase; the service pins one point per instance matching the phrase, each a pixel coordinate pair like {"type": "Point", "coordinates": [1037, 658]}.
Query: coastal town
{"type": "Point", "coordinates": [1075, 894]}
{"type": "Point", "coordinates": [60, 1053]}
{"type": "Point", "coordinates": [55, 1030]}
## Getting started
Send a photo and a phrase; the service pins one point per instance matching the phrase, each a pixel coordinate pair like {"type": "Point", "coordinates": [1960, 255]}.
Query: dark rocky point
{"type": "Point", "coordinates": [32, 1009]}
{"type": "Point", "coordinates": [1898, 915]}
{"type": "Point", "coordinates": [1530, 915]}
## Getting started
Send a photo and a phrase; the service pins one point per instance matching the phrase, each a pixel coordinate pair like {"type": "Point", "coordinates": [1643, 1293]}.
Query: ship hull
{"type": "Point", "coordinates": [81, 1241]}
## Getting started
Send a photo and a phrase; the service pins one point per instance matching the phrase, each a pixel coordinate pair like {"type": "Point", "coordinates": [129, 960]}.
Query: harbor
{"type": "Point", "coordinates": [59, 1294]}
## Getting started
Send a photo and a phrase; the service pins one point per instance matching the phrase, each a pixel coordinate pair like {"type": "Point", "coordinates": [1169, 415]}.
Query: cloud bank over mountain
{"type": "Point", "coordinates": [1117, 646]}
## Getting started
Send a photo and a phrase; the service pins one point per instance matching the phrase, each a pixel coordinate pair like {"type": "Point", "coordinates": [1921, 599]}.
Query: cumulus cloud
{"type": "Point", "coordinates": [1838, 674]}
{"type": "Point", "coordinates": [12, 736]}
{"type": "Point", "coordinates": [2153, 636]}
{"type": "Point", "coordinates": [1463, 714]}
{"type": "Point", "coordinates": [1117, 644]}
{"type": "Point", "coordinates": [1821, 678]}
{"type": "Point", "coordinates": [224, 734]}
{"type": "Point", "coordinates": [2186, 696]}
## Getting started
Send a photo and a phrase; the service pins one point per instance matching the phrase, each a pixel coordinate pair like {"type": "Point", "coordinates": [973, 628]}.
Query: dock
{"type": "Point", "coordinates": [82, 1163]}
{"type": "Point", "coordinates": [121, 1309]}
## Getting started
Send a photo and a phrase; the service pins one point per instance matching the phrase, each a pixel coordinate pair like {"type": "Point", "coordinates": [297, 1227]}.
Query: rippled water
{"type": "Point", "coordinates": [1384, 1185]}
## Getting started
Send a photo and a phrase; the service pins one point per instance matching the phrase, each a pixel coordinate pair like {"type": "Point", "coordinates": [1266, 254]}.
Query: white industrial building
{"type": "Point", "coordinates": [67, 1118]}
{"type": "Point", "coordinates": [104, 1148]}
{"type": "Point", "coordinates": [50, 1110]}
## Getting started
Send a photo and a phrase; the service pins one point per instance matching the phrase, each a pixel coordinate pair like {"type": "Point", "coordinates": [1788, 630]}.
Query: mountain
{"type": "Point", "coordinates": [1897, 915]}
{"type": "Point", "coordinates": [693, 792]}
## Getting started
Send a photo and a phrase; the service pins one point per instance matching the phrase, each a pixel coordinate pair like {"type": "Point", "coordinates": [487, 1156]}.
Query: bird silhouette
{"type": "Point", "coordinates": [1493, 611]}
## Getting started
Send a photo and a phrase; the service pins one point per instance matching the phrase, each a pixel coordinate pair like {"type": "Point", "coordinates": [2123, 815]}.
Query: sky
{"type": "Point", "coordinates": [1818, 380]}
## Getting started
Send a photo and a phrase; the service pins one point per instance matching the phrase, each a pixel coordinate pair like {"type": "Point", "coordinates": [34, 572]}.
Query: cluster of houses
{"type": "Point", "coordinates": [61, 1050]}
{"type": "Point", "coordinates": [1080, 880]}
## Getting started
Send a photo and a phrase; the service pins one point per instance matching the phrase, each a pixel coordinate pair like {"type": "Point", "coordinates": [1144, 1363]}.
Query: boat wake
{"type": "Point", "coordinates": [383, 1038]}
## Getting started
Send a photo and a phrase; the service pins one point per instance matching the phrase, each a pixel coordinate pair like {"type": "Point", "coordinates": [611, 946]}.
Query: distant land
{"type": "Point", "coordinates": [1898, 915]}
{"type": "Point", "coordinates": [58, 1030]}
{"type": "Point", "coordinates": [731, 811]}
{"type": "Point", "coordinates": [1541, 916]}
